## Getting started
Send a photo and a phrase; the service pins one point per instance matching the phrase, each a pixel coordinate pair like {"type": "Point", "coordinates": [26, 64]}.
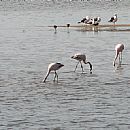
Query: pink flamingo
{"type": "Point", "coordinates": [53, 67]}
{"type": "Point", "coordinates": [81, 57]}
{"type": "Point", "coordinates": [119, 48]}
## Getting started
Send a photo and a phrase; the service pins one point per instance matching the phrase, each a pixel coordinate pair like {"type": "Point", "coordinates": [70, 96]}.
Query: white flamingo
{"type": "Point", "coordinates": [118, 48]}
{"type": "Point", "coordinates": [81, 57]}
{"type": "Point", "coordinates": [53, 67]}
{"type": "Point", "coordinates": [113, 19]}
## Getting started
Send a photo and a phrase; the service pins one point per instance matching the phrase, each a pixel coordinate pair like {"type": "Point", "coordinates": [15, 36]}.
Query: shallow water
{"type": "Point", "coordinates": [96, 101]}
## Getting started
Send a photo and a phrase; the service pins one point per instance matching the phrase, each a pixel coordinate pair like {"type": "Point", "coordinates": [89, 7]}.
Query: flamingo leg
{"type": "Point", "coordinates": [115, 58]}
{"type": "Point", "coordinates": [76, 66]}
{"type": "Point", "coordinates": [121, 57]}
{"type": "Point", "coordinates": [82, 67]}
{"type": "Point", "coordinates": [56, 76]}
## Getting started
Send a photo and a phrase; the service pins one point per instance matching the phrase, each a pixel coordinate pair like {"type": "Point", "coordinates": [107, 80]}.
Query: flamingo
{"type": "Point", "coordinates": [53, 67]}
{"type": "Point", "coordinates": [81, 58]}
{"type": "Point", "coordinates": [118, 48]}
{"type": "Point", "coordinates": [113, 19]}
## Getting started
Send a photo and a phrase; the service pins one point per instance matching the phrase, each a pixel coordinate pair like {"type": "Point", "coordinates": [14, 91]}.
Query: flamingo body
{"type": "Point", "coordinates": [53, 67]}
{"type": "Point", "coordinates": [118, 48]}
{"type": "Point", "coordinates": [81, 58]}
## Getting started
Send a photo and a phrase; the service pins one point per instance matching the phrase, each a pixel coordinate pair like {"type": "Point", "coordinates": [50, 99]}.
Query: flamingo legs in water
{"type": "Point", "coordinates": [120, 58]}
{"type": "Point", "coordinates": [56, 76]}
{"type": "Point", "coordinates": [77, 66]}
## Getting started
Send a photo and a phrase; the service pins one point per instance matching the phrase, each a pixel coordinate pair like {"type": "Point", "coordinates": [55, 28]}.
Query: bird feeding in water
{"type": "Point", "coordinates": [118, 48]}
{"type": "Point", "coordinates": [53, 67]}
{"type": "Point", "coordinates": [113, 19]}
{"type": "Point", "coordinates": [81, 58]}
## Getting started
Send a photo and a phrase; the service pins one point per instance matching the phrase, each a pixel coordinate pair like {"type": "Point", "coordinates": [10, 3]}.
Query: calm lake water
{"type": "Point", "coordinates": [97, 101]}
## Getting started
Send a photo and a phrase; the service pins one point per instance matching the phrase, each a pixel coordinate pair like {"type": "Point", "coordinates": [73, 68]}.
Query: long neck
{"type": "Point", "coordinates": [84, 61]}
{"type": "Point", "coordinates": [44, 80]}
{"type": "Point", "coordinates": [89, 65]}
{"type": "Point", "coordinates": [117, 53]}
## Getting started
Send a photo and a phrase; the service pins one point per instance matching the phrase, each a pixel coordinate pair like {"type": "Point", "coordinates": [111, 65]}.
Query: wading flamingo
{"type": "Point", "coordinates": [118, 48]}
{"type": "Point", "coordinates": [81, 57]}
{"type": "Point", "coordinates": [53, 67]}
{"type": "Point", "coordinates": [113, 19]}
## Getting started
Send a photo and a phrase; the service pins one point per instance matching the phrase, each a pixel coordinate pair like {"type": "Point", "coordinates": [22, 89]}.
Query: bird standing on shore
{"type": "Point", "coordinates": [85, 20]}
{"type": "Point", "coordinates": [53, 67]}
{"type": "Point", "coordinates": [96, 21]}
{"type": "Point", "coordinates": [113, 19]}
{"type": "Point", "coordinates": [118, 48]}
{"type": "Point", "coordinates": [81, 58]}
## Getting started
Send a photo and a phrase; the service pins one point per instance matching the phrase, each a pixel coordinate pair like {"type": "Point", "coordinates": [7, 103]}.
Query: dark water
{"type": "Point", "coordinates": [96, 101]}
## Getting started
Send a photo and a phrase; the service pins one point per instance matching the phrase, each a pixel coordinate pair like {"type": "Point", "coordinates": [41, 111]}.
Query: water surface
{"type": "Point", "coordinates": [96, 101]}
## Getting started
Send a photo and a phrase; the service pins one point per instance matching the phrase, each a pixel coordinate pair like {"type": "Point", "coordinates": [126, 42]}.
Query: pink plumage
{"type": "Point", "coordinates": [81, 58]}
{"type": "Point", "coordinates": [118, 48]}
{"type": "Point", "coordinates": [53, 67]}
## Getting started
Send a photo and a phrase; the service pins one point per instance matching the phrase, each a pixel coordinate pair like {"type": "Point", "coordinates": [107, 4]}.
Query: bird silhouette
{"type": "Point", "coordinates": [55, 27]}
{"type": "Point", "coordinates": [53, 67]}
{"type": "Point", "coordinates": [113, 19]}
{"type": "Point", "coordinates": [81, 58]}
{"type": "Point", "coordinates": [118, 48]}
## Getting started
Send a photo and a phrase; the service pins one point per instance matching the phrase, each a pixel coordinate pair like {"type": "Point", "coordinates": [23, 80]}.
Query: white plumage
{"type": "Point", "coordinates": [96, 21]}
{"type": "Point", "coordinates": [81, 58]}
{"type": "Point", "coordinates": [113, 19]}
{"type": "Point", "coordinates": [53, 67]}
{"type": "Point", "coordinates": [118, 48]}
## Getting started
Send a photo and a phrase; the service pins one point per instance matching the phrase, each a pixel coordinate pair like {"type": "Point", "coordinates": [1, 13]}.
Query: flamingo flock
{"type": "Point", "coordinates": [81, 58]}
{"type": "Point", "coordinates": [56, 66]}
